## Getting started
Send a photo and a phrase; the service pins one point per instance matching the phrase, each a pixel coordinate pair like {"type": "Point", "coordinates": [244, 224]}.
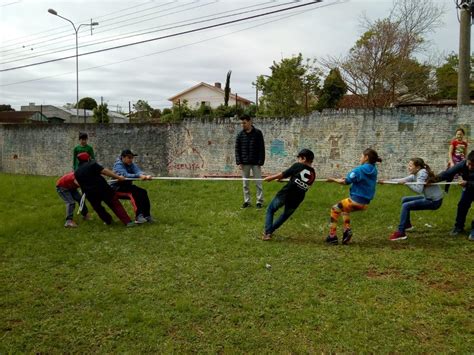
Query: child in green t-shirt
{"type": "Point", "coordinates": [81, 148]}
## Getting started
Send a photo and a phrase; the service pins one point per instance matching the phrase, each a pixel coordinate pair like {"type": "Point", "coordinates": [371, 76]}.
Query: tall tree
{"type": "Point", "coordinates": [291, 87]}
{"type": "Point", "coordinates": [143, 110]}
{"type": "Point", "coordinates": [6, 108]}
{"type": "Point", "coordinates": [227, 88]}
{"type": "Point", "coordinates": [447, 78]}
{"type": "Point", "coordinates": [334, 88]}
{"type": "Point", "coordinates": [101, 114]}
{"type": "Point", "coordinates": [87, 103]}
{"type": "Point", "coordinates": [378, 65]}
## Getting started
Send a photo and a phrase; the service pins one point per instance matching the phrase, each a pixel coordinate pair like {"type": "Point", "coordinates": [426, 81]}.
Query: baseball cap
{"type": "Point", "coordinates": [306, 153]}
{"type": "Point", "coordinates": [84, 156]}
{"type": "Point", "coordinates": [127, 152]}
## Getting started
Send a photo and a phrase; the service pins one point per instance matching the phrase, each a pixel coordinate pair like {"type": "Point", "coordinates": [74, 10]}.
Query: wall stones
{"type": "Point", "coordinates": [199, 148]}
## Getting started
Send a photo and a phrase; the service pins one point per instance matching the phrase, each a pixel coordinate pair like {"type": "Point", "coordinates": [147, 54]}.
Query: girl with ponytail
{"type": "Point", "coordinates": [430, 198]}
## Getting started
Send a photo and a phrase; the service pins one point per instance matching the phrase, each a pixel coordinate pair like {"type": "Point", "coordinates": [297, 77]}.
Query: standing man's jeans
{"type": "Point", "coordinates": [415, 203]}
{"type": "Point", "coordinates": [257, 174]}
{"type": "Point", "coordinates": [70, 197]}
{"type": "Point", "coordinates": [464, 205]}
{"type": "Point", "coordinates": [276, 204]}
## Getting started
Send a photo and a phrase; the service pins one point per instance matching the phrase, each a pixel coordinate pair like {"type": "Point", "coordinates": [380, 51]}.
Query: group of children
{"type": "Point", "coordinates": [363, 180]}
{"type": "Point", "coordinates": [88, 175]}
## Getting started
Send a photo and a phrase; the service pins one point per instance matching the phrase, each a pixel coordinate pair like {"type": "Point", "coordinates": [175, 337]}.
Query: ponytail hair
{"type": "Point", "coordinates": [420, 163]}
{"type": "Point", "coordinates": [372, 156]}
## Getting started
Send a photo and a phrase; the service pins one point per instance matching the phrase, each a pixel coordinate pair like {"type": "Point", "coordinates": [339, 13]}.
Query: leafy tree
{"type": "Point", "coordinates": [227, 111]}
{"type": "Point", "coordinates": [291, 87]}
{"type": "Point", "coordinates": [101, 114]}
{"type": "Point", "coordinates": [143, 111]}
{"type": "Point", "coordinates": [447, 78]}
{"type": "Point", "coordinates": [334, 88]}
{"type": "Point", "coordinates": [156, 113]}
{"type": "Point", "coordinates": [166, 111]}
{"type": "Point", "coordinates": [381, 64]}
{"type": "Point", "coordinates": [6, 108]}
{"type": "Point", "coordinates": [87, 103]}
{"type": "Point", "coordinates": [227, 88]}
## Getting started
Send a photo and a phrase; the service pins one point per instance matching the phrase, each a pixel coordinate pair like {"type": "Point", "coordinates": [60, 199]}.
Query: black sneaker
{"type": "Point", "coordinates": [259, 206]}
{"type": "Point", "coordinates": [456, 231]}
{"type": "Point", "coordinates": [245, 205]}
{"type": "Point", "coordinates": [332, 240]}
{"type": "Point", "coordinates": [346, 236]}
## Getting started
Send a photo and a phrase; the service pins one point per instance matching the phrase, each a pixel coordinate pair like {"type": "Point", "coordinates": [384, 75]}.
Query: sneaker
{"type": "Point", "coordinates": [397, 235]}
{"type": "Point", "coordinates": [346, 236]}
{"type": "Point", "coordinates": [70, 224]}
{"type": "Point", "coordinates": [140, 219]}
{"type": "Point", "coordinates": [332, 240]}
{"type": "Point", "coordinates": [131, 224]}
{"type": "Point", "coordinates": [409, 227]}
{"type": "Point", "coordinates": [259, 206]}
{"type": "Point", "coordinates": [87, 217]}
{"type": "Point", "coordinates": [456, 231]}
{"type": "Point", "coordinates": [149, 219]}
{"type": "Point", "coordinates": [267, 236]}
{"type": "Point", "coordinates": [471, 236]}
{"type": "Point", "coordinates": [245, 205]}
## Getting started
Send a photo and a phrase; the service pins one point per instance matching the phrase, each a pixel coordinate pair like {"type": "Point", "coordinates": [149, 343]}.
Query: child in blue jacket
{"type": "Point", "coordinates": [363, 180]}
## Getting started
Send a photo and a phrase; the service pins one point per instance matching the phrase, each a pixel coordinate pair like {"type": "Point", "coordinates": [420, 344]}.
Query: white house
{"type": "Point", "coordinates": [205, 94]}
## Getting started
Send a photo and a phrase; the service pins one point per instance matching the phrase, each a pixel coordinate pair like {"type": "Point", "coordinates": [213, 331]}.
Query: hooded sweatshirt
{"type": "Point", "coordinates": [363, 180]}
{"type": "Point", "coordinates": [128, 171]}
{"type": "Point", "coordinates": [431, 192]}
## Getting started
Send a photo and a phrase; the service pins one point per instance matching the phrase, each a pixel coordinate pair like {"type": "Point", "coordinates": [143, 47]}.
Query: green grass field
{"type": "Point", "coordinates": [197, 280]}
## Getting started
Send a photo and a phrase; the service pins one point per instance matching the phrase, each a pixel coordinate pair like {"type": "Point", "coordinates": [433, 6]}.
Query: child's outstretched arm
{"type": "Point", "coordinates": [278, 176]}
{"type": "Point", "coordinates": [341, 181]}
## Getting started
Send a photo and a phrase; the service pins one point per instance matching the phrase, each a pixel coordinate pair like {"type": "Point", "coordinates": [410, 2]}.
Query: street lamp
{"type": "Point", "coordinates": [54, 12]}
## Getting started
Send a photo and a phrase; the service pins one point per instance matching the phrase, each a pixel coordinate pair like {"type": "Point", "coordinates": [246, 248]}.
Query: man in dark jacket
{"type": "Point", "coordinates": [250, 156]}
{"type": "Point", "coordinates": [466, 170]}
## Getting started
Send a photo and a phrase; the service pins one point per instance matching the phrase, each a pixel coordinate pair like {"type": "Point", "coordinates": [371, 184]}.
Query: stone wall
{"type": "Point", "coordinates": [199, 148]}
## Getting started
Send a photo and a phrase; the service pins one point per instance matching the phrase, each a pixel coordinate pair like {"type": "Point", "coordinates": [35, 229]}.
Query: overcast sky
{"type": "Point", "coordinates": [158, 69]}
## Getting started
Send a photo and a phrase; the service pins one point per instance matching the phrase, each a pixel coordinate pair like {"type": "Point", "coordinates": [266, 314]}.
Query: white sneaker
{"type": "Point", "coordinates": [70, 224]}
{"type": "Point", "coordinates": [140, 219]}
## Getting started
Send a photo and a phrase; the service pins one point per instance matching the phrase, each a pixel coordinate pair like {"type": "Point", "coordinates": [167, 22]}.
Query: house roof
{"type": "Point", "coordinates": [90, 113]}
{"type": "Point", "coordinates": [211, 87]}
{"type": "Point", "coordinates": [21, 117]}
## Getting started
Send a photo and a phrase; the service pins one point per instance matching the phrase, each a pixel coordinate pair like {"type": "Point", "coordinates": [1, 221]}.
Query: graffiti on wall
{"type": "Point", "coordinates": [187, 157]}
{"type": "Point", "coordinates": [277, 148]}
{"type": "Point", "coordinates": [334, 151]}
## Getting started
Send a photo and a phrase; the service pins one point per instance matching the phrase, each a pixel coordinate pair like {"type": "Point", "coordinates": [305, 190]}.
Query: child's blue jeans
{"type": "Point", "coordinates": [415, 203]}
{"type": "Point", "coordinates": [70, 197]}
{"type": "Point", "coordinates": [274, 206]}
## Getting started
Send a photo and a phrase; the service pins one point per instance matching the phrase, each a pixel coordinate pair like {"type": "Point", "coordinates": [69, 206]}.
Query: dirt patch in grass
{"type": "Point", "coordinates": [381, 274]}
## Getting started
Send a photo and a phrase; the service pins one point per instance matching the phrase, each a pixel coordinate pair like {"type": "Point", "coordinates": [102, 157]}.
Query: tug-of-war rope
{"type": "Point", "coordinates": [384, 182]}
{"type": "Point", "coordinates": [207, 178]}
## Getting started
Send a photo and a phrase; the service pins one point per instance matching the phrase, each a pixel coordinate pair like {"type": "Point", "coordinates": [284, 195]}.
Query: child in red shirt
{"type": "Point", "coordinates": [66, 187]}
{"type": "Point", "coordinates": [457, 151]}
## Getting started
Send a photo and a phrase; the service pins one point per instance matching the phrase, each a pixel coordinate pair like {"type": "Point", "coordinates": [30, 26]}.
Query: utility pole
{"type": "Point", "coordinates": [464, 71]}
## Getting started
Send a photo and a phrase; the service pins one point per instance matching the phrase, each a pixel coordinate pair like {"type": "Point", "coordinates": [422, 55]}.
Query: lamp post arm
{"type": "Point", "coordinates": [68, 20]}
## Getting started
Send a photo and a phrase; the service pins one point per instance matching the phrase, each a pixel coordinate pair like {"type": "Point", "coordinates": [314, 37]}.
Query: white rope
{"type": "Point", "coordinates": [419, 183]}
{"type": "Point", "coordinates": [385, 182]}
{"type": "Point", "coordinates": [201, 178]}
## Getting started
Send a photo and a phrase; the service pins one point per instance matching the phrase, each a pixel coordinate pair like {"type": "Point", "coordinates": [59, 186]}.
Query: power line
{"type": "Point", "coordinates": [166, 36]}
{"type": "Point", "coordinates": [156, 29]}
{"type": "Point", "coordinates": [51, 41]}
{"type": "Point", "coordinates": [57, 28]}
{"type": "Point", "coordinates": [175, 48]}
